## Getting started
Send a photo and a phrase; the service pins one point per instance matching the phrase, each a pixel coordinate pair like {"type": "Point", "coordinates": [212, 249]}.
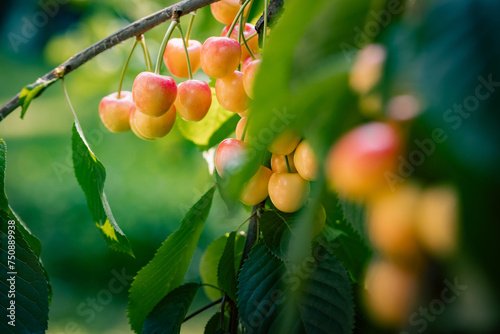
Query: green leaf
{"type": "Point", "coordinates": [277, 299]}
{"type": "Point", "coordinates": [166, 270]}
{"type": "Point", "coordinates": [215, 126]}
{"type": "Point", "coordinates": [355, 214]}
{"type": "Point", "coordinates": [168, 315]}
{"type": "Point", "coordinates": [348, 246]}
{"type": "Point", "coordinates": [256, 11]}
{"type": "Point", "coordinates": [30, 283]}
{"type": "Point", "coordinates": [226, 276]}
{"type": "Point", "coordinates": [277, 229]}
{"type": "Point", "coordinates": [29, 92]}
{"type": "Point", "coordinates": [213, 325]}
{"type": "Point", "coordinates": [33, 242]}
{"type": "Point", "coordinates": [91, 175]}
{"type": "Point", "coordinates": [210, 263]}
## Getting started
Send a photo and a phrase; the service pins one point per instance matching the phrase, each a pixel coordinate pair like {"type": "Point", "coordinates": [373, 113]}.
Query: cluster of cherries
{"type": "Point", "coordinates": [408, 225]}
{"type": "Point", "coordinates": [150, 109]}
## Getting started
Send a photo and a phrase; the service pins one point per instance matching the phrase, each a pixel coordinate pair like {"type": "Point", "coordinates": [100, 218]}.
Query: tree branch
{"type": "Point", "coordinates": [273, 13]}
{"type": "Point", "coordinates": [134, 29]}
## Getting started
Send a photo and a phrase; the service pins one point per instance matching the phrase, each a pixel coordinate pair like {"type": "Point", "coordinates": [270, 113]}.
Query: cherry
{"type": "Point", "coordinates": [175, 57]}
{"type": "Point", "coordinates": [193, 101]}
{"type": "Point", "coordinates": [358, 161]}
{"type": "Point", "coordinates": [153, 94]}
{"type": "Point", "coordinates": [249, 76]}
{"type": "Point", "coordinates": [305, 161]}
{"type": "Point", "coordinates": [244, 114]}
{"type": "Point", "coordinates": [284, 143]}
{"type": "Point", "coordinates": [230, 155]}
{"type": "Point", "coordinates": [240, 127]}
{"type": "Point", "coordinates": [256, 189]}
{"type": "Point", "coordinates": [220, 56]}
{"type": "Point", "coordinates": [391, 222]}
{"type": "Point", "coordinates": [390, 292]}
{"type": "Point", "coordinates": [225, 11]}
{"type": "Point", "coordinates": [288, 191]}
{"type": "Point", "coordinates": [437, 221]}
{"type": "Point", "coordinates": [230, 92]}
{"type": "Point", "coordinates": [367, 68]}
{"type": "Point", "coordinates": [152, 127]}
{"type": "Point", "coordinates": [115, 112]}
{"type": "Point", "coordinates": [245, 64]}
{"type": "Point", "coordinates": [252, 43]}
{"type": "Point", "coordinates": [278, 163]}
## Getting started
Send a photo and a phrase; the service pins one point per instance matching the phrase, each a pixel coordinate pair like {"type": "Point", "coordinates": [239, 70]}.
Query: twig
{"type": "Point", "coordinates": [134, 29]}
{"type": "Point", "coordinates": [202, 309]}
{"type": "Point", "coordinates": [273, 13]}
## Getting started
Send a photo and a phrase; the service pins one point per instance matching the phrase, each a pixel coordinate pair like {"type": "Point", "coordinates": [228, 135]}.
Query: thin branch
{"type": "Point", "coordinates": [252, 232]}
{"type": "Point", "coordinates": [202, 309]}
{"type": "Point", "coordinates": [273, 13]}
{"type": "Point", "coordinates": [134, 29]}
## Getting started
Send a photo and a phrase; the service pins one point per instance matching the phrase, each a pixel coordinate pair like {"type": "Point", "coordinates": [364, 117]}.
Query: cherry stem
{"type": "Point", "coordinates": [246, 220]}
{"type": "Point", "coordinates": [250, 37]}
{"type": "Point", "coordinates": [265, 24]}
{"type": "Point", "coordinates": [288, 169]}
{"type": "Point", "coordinates": [149, 64]}
{"type": "Point", "coordinates": [243, 134]}
{"type": "Point", "coordinates": [192, 315]}
{"type": "Point", "coordinates": [248, 11]}
{"type": "Point", "coordinates": [190, 26]}
{"type": "Point", "coordinates": [119, 95]}
{"type": "Point", "coordinates": [248, 47]}
{"type": "Point", "coordinates": [241, 35]}
{"type": "Point", "coordinates": [184, 42]}
{"type": "Point", "coordinates": [242, 8]}
{"type": "Point", "coordinates": [69, 102]}
{"type": "Point", "coordinates": [163, 46]}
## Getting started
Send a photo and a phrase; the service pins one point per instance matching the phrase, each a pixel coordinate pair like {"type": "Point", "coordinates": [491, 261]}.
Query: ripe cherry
{"type": "Point", "coordinates": [252, 43]}
{"type": "Point", "coordinates": [284, 143]}
{"type": "Point", "coordinates": [305, 161]}
{"type": "Point", "coordinates": [240, 127]}
{"type": "Point", "coordinates": [193, 101]}
{"type": "Point", "coordinates": [390, 292]}
{"type": "Point", "coordinates": [153, 94]}
{"type": "Point", "coordinates": [288, 191]}
{"type": "Point", "coordinates": [152, 127]}
{"type": "Point", "coordinates": [220, 56]}
{"type": "Point", "coordinates": [115, 112]}
{"type": "Point", "coordinates": [249, 76]}
{"type": "Point", "coordinates": [256, 189]}
{"type": "Point", "coordinates": [437, 220]}
{"type": "Point", "coordinates": [278, 163]}
{"type": "Point", "coordinates": [391, 222]}
{"type": "Point", "coordinates": [359, 160]}
{"type": "Point", "coordinates": [175, 57]}
{"type": "Point", "coordinates": [230, 155]}
{"type": "Point", "coordinates": [225, 11]}
{"type": "Point", "coordinates": [231, 94]}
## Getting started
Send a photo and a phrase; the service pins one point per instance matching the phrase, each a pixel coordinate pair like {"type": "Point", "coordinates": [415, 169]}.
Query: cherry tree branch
{"type": "Point", "coordinates": [132, 30]}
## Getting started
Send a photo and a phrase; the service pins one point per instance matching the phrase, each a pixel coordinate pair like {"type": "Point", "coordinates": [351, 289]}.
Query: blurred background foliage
{"type": "Point", "coordinates": [147, 189]}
